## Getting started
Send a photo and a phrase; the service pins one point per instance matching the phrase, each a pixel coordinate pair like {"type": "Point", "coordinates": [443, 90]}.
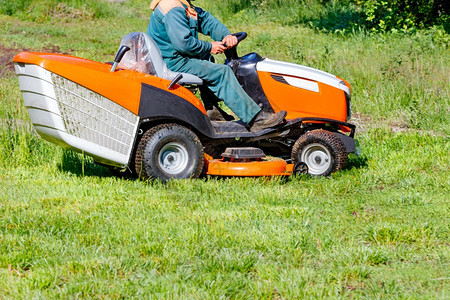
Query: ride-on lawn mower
{"type": "Point", "coordinates": [136, 114]}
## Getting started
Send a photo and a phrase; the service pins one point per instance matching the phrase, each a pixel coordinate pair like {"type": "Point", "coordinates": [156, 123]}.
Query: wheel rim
{"type": "Point", "coordinates": [173, 158]}
{"type": "Point", "coordinates": [317, 157]}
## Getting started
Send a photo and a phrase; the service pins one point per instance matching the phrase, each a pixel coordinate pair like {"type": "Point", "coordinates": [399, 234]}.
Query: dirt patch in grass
{"type": "Point", "coordinates": [7, 55]}
{"type": "Point", "coordinates": [362, 122]}
{"type": "Point", "coordinates": [365, 123]}
{"type": "Point", "coordinates": [62, 11]}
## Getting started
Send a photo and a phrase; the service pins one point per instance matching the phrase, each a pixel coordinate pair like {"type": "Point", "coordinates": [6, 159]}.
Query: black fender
{"type": "Point", "coordinates": [348, 141]}
{"type": "Point", "coordinates": [156, 103]}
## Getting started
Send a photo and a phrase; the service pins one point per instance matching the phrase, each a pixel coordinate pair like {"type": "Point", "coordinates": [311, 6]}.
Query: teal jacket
{"type": "Point", "coordinates": [176, 34]}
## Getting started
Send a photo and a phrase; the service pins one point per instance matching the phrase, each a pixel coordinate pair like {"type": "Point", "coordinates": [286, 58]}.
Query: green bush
{"type": "Point", "coordinates": [46, 10]}
{"type": "Point", "coordinates": [10, 8]}
{"type": "Point", "coordinates": [403, 14]}
{"type": "Point", "coordinates": [377, 15]}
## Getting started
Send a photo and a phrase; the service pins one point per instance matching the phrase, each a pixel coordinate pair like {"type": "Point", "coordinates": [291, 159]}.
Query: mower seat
{"type": "Point", "coordinates": [145, 57]}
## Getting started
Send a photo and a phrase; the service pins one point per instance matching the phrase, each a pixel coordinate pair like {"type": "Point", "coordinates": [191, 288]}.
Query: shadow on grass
{"type": "Point", "coordinates": [331, 18]}
{"type": "Point", "coordinates": [356, 162]}
{"type": "Point", "coordinates": [338, 20]}
{"type": "Point", "coordinates": [82, 165]}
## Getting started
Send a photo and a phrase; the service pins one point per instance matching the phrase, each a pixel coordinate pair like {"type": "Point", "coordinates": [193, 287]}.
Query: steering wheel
{"type": "Point", "coordinates": [231, 54]}
{"type": "Point", "coordinates": [240, 36]}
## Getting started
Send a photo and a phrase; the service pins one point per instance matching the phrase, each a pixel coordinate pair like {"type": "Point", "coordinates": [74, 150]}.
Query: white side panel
{"type": "Point", "coordinates": [302, 83]}
{"type": "Point", "coordinates": [75, 117]}
{"type": "Point", "coordinates": [284, 68]}
{"type": "Point", "coordinates": [33, 100]}
{"type": "Point", "coordinates": [45, 118]}
{"type": "Point", "coordinates": [99, 153]}
{"type": "Point", "coordinates": [37, 85]}
{"type": "Point", "coordinates": [33, 71]}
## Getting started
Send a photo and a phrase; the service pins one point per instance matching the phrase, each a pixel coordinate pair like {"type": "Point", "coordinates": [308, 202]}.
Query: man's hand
{"type": "Point", "coordinates": [230, 41]}
{"type": "Point", "coordinates": [217, 48]}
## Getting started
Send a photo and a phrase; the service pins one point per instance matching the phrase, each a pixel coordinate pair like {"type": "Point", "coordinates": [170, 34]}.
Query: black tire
{"type": "Point", "coordinates": [322, 151]}
{"type": "Point", "coordinates": [169, 151]}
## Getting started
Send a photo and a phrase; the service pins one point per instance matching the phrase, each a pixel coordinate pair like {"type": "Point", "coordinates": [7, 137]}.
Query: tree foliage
{"type": "Point", "coordinates": [378, 15]}
{"type": "Point", "coordinates": [403, 14]}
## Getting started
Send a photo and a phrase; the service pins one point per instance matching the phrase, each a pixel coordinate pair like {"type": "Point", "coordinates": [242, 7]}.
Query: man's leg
{"type": "Point", "coordinates": [221, 80]}
{"type": "Point", "coordinates": [211, 102]}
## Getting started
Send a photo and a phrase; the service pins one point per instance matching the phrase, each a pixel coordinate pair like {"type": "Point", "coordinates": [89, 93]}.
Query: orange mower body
{"type": "Point", "coordinates": [135, 114]}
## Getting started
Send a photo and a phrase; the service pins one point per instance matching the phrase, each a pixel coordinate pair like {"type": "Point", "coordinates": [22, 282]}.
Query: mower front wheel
{"type": "Point", "coordinates": [322, 151]}
{"type": "Point", "coordinates": [169, 151]}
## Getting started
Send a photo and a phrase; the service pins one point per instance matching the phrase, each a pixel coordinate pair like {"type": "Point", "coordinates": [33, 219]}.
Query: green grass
{"type": "Point", "coordinates": [378, 229]}
{"type": "Point", "coordinates": [59, 10]}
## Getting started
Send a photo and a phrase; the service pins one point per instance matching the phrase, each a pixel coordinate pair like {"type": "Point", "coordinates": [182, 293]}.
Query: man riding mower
{"type": "Point", "coordinates": [141, 115]}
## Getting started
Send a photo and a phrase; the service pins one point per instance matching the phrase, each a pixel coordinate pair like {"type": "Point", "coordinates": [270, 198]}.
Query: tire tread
{"type": "Point", "coordinates": [150, 134]}
{"type": "Point", "coordinates": [327, 139]}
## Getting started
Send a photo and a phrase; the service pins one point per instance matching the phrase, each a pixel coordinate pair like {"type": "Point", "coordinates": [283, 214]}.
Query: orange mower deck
{"type": "Point", "coordinates": [265, 167]}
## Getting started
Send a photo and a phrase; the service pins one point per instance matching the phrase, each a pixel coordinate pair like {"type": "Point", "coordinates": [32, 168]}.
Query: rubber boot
{"type": "Point", "coordinates": [265, 120]}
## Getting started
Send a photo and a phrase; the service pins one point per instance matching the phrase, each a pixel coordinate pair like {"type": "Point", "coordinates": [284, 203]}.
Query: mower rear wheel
{"type": "Point", "coordinates": [169, 151]}
{"type": "Point", "coordinates": [322, 151]}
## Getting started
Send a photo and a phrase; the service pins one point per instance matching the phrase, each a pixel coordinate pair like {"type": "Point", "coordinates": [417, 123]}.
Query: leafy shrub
{"type": "Point", "coordinates": [9, 7]}
{"type": "Point", "coordinates": [377, 15]}
{"type": "Point", "coordinates": [45, 10]}
{"type": "Point", "coordinates": [403, 14]}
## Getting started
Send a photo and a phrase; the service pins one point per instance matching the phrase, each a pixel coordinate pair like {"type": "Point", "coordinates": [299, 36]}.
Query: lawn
{"type": "Point", "coordinates": [69, 228]}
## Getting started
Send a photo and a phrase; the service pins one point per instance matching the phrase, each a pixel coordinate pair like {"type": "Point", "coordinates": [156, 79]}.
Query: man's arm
{"type": "Point", "coordinates": [209, 25]}
{"type": "Point", "coordinates": [180, 36]}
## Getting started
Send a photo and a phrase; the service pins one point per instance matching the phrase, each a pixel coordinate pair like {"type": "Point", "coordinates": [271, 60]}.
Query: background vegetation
{"type": "Point", "coordinates": [69, 228]}
{"type": "Point", "coordinates": [377, 15]}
